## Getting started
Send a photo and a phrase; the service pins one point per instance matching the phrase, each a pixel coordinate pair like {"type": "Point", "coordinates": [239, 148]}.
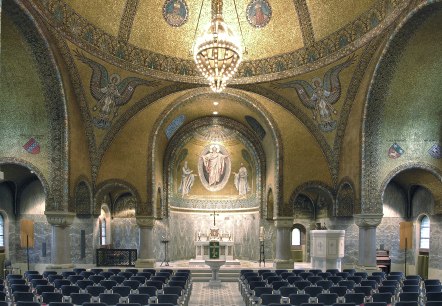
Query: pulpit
{"type": "Point", "coordinates": [327, 249]}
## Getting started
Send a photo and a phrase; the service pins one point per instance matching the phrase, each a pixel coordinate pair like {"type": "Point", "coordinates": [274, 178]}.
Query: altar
{"type": "Point", "coordinates": [225, 250]}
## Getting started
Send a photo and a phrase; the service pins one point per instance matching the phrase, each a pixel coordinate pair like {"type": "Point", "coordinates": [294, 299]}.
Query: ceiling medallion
{"type": "Point", "coordinates": [175, 12]}
{"type": "Point", "coordinates": [259, 13]}
{"type": "Point", "coordinates": [217, 52]}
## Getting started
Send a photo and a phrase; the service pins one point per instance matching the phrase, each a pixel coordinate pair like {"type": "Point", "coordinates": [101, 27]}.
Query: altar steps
{"type": "Point", "coordinates": [225, 275]}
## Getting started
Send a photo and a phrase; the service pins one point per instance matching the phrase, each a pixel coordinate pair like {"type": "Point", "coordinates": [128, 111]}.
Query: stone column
{"type": "Point", "coordinates": [146, 258]}
{"type": "Point", "coordinates": [283, 257]}
{"type": "Point", "coordinates": [61, 240]}
{"type": "Point", "coordinates": [367, 224]}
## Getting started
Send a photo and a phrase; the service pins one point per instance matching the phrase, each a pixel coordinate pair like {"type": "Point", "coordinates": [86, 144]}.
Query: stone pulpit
{"type": "Point", "coordinates": [327, 249]}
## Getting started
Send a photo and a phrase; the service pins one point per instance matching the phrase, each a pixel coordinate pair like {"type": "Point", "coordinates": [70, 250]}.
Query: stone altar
{"type": "Point", "coordinates": [225, 250]}
{"type": "Point", "coordinates": [327, 249]}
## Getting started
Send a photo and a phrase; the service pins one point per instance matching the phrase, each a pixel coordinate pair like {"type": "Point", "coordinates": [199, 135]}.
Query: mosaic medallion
{"type": "Point", "coordinates": [175, 12]}
{"type": "Point", "coordinates": [259, 13]}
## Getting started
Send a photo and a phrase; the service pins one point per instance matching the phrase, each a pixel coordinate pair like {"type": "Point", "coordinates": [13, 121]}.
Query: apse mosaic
{"type": "Point", "coordinates": [259, 13]}
{"type": "Point", "coordinates": [320, 95]}
{"type": "Point", "coordinates": [214, 167]}
{"type": "Point", "coordinates": [175, 12]}
{"type": "Point", "coordinates": [109, 91]}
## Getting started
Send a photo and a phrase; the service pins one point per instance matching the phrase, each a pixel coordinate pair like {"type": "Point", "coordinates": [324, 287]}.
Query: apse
{"type": "Point", "coordinates": [214, 179]}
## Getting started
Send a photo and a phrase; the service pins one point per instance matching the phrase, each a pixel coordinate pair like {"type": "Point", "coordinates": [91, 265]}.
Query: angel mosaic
{"type": "Point", "coordinates": [321, 95]}
{"type": "Point", "coordinates": [110, 92]}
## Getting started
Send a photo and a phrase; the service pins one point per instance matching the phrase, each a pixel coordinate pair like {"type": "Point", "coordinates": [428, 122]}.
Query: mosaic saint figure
{"type": "Point", "coordinates": [259, 13]}
{"type": "Point", "coordinates": [321, 94]}
{"type": "Point", "coordinates": [175, 12]}
{"type": "Point", "coordinates": [214, 164]}
{"type": "Point", "coordinates": [187, 180]}
{"type": "Point", "coordinates": [241, 181]}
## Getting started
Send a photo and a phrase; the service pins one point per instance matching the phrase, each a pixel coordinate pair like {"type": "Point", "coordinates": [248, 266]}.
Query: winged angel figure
{"type": "Point", "coordinates": [110, 92]}
{"type": "Point", "coordinates": [321, 94]}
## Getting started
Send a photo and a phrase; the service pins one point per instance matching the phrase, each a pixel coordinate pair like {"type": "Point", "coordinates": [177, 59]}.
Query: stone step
{"type": "Point", "coordinates": [204, 275]}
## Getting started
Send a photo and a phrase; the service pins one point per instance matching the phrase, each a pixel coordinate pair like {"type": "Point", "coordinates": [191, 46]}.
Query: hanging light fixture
{"type": "Point", "coordinates": [217, 52]}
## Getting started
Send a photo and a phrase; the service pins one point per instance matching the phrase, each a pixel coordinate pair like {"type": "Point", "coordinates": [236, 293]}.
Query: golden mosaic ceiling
{"type": "Point", "coordinates": [300, 36]}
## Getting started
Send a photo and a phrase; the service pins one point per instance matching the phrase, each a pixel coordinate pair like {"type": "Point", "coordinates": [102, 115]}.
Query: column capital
{"type": "Point", "coordinates": [283, 222]}
{"type": "Point", "coordinates": [368, 220]}
{"type": "Point", "coordinates": [60, 218]}
{"type": "Point", "coordinates": [145, 221]}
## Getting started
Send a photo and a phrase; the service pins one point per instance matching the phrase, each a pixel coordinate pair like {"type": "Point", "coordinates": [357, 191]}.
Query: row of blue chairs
{"type": "Point", "coordinates": [3, 303]}
{"type": "Point", "coordinates": [171, 285]}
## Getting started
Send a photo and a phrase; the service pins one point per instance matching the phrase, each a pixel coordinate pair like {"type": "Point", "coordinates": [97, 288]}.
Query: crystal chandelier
{"type": "Point", "coordinates": [217, 52]}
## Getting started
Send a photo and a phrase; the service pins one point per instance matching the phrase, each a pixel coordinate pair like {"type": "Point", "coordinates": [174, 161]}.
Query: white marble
{"type": "Point", "coordinates": [327, 249]}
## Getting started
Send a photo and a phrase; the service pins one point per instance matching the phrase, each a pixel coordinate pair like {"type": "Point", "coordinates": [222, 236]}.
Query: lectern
{"type": "Point", "coordinates": [327, 249]}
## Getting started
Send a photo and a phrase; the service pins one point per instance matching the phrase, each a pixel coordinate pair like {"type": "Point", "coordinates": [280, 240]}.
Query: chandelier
{"type": "Point", "coordinates": [217, 52]}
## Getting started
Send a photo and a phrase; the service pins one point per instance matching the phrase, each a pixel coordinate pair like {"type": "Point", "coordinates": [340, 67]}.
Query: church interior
{"type": "Point", "coordinates": [113, 140]}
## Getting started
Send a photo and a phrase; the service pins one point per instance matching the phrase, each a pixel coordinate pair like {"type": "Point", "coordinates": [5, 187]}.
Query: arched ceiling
{"type": "Point", "coordinates": [300, 35]}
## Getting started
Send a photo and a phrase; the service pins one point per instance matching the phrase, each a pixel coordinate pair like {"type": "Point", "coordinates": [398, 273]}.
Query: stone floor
{"type": "Point", "coordinates": [227, 294]}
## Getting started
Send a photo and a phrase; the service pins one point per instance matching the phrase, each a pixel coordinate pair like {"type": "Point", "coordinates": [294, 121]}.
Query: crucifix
{"type": "Point", "coordinates": [214, 214]}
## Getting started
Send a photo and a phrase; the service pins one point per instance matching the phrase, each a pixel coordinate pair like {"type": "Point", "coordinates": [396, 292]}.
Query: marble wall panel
{"type": "Point", "coordinates": [388, 234]}
{"type": "Point", "coordinates": [435, 260]}
{"type": "Point", "coordinates": [181, 229]}
{"type": "Point", "coordinates": [42, 234]}
{"type": "Point", "coordinates": [79, 224]}
{"type": "Point", "coordinates": [125, 233]}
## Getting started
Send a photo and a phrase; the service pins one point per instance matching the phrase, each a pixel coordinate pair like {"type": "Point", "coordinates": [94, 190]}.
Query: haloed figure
{"type": "Point", "coordinates": [187, 179]}
{"type": "Point", "coordinates": [241, 181]}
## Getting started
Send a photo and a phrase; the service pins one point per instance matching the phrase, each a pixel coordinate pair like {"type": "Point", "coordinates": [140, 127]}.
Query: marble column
{"type": "Point", "coordinates": [146, 259]}
{"type": "Point", "coordinates": [367, 224]}
{"type": "Point", "coordinates": [61, 240]}
{"type": "Point", "coordinates": [283, 256]}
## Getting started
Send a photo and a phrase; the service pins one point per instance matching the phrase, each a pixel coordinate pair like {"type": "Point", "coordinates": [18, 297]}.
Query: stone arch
{"type": "Point", "coordinates": [378, 93]}
{"type": "Point", "coordinates": [324, 200]}
{"type": "Point", "coordinates": [118, 186]}
{"type": "Point", "coordinates": [239, 96]}
{"type": "Point", "coordinates": [435, 186]}
{"type": "Point", "coordinates": [57, 191]}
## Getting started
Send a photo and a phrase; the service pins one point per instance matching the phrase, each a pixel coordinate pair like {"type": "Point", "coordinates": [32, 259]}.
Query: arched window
{"type": "Point", "coordinates": [425, 233]}
{"type": "Point", "coordinates": [2, 232]}
{"type": "Point", "coordinates": [103, 231]}
{"type": "Point", "coordinates": [296, 237]}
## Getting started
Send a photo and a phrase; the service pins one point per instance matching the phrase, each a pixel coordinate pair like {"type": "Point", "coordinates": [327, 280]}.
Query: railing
{"type": "Point", "coordinates": [116, 257]}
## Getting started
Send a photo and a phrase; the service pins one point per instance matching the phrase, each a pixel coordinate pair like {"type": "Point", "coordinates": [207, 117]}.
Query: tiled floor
{"type": "Point", "coordinates": [227, 295]}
